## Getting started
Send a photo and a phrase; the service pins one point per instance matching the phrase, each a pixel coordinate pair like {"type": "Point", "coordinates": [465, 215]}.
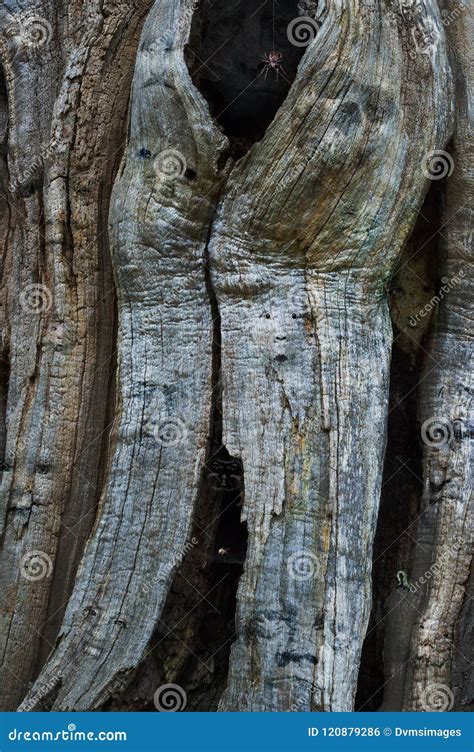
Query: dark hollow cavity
{"type": "Point", "coordinates": [413, 285]}
{"type": "Point", "coordinates": [228, 45]}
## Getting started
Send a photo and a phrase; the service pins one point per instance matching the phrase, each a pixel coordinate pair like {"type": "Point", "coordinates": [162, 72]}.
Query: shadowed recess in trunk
{"type": "Point", "coordinates": [243, 61]}
{"type": "Point", "coordinates": [414, 284]}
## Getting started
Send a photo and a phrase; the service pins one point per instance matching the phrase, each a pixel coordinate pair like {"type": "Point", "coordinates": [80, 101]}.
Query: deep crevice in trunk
{"type": "Point", "coordinates": [4, 381]}
{"type": "Point", "coordinates": [414, 284]}
{"type": "Point", "coordinates": [226, 55]}
{"type": "Point", "coordinates": [191, 645]}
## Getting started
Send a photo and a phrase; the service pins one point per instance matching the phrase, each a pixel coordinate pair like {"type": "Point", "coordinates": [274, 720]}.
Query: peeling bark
{"type": "Point", "coordinates": [65, 110]}
{"type": "Point", "coordinates": [299, 255]}
{"type": "Point", "coordinates": [444, 536]}
{"type": "Point", "coordinates": [311, 429]}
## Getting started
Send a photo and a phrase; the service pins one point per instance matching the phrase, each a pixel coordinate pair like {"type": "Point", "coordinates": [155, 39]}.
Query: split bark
{"type": "Point", "coordinates": [66, 71]}
{"type": "Point", "coordinates": [445, 533]}
{"type": "Point", "coordinates": [299, 256]}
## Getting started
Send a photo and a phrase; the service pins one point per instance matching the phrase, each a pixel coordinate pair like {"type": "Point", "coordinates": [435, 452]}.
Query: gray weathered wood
{"type": "Point", "coordinates": [307, 231]}
{"type": "Point", "coordinates": [65, 105]}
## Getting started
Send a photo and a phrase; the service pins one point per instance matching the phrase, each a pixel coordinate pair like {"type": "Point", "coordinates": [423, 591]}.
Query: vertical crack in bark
{"type": "Point", "coordinates": [295, 224]}
{"type": "Point", "coordinates": [5, 216]}
{"type": "Point", "coordinates": [199, 613]}
{"type": "Point", "coordinates": [414, 297]}
{"type": "Point", "coordinates": [60, 355]}
{"type": "Point", "coordinates": [286, 656]}
{"type": "Point", "coordinates": [74, 531]}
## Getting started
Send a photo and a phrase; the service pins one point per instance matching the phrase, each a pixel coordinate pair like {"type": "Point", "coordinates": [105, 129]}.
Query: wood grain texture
{"type": "Point", "coordinates": [445, 532]}
{"type": "Point", "coordinates": [299, 256]}
{"type": "Point", "coordinates": [301, 236]}
{"type": "Point", "coordinates": [65, 111]}
{"type": "Point", "coordinates": [159, 227]}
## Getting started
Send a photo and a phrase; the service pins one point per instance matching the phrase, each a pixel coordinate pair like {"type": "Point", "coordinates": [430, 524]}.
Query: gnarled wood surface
{"type": "Point", "coordinates": [301, 236]}
{"type": "Point", "coordinates": [445, 532]}
{"type": "Point", "coordinates": [66, 103]}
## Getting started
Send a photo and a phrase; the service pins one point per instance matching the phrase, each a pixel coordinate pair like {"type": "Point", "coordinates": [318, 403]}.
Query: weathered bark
{"type": "Point", "coordinates": [444, 536]}
{"type": "Point", "coordinates": [159, 228]}
{"type": "Point", "coordinates": [299, 255]}
{"type": "Point", "coordinates": [67, 95]}
{"type": "Point", "coordinates": [426, 651]}
{"type": "Point", "coordinates": [310, 425]}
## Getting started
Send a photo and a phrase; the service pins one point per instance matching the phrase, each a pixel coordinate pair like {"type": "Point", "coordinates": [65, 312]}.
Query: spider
{"type": "Point", "coordinates": [273, 60]}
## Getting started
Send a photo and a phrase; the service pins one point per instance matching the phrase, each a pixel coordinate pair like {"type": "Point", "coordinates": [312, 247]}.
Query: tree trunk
{"type": "Point", "coordinates": [64, 70]}
{"type": "Point", "coordinates": [251, 267]}
{"type": "Point", "coordinates": [444, 536]}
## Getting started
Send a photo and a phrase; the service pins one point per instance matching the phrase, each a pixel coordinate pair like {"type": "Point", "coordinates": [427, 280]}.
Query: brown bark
{"type": "Point", "coordinates": [252, 325]}
{"type": "Point", "coordinates": [67, 94]}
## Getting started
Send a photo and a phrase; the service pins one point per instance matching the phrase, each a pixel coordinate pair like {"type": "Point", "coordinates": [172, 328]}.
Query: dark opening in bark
{"type": "Point", "coordinates": [229, 44]}
{"type": "Point", "coordinates": [191, 645]}
{"type": "Point", "coordinates": [412, 291]}
{"type": "Point", "coordinates": [5, 216]}
{"type": "Point", "coordinates": [4, 380]}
